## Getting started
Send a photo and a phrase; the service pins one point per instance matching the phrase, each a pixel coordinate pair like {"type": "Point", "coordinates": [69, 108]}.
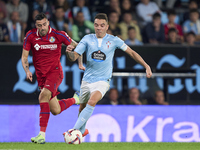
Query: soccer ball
{"type": "Point", "coordinates": [73, 136]}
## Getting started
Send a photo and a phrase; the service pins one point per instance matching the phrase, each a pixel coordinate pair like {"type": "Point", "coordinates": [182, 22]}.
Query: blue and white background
{"type": "Point", "coordinates": [15, 89]}
{"type": "Point", "coordinates": [20, 122]}
{"type": "Point", "coordinates": [107, 124]}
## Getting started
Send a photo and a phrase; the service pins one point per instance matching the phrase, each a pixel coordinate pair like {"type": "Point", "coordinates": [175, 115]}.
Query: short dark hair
{"type": "Point", "coordinates": [59, 7]}
{"type": "Point", "coordinates": [101, 16]}
{"type": "Point", "coordinates": [172, 30]}
{"type": "Point", "coordinates": [193, 1]}
{"type": "Point", "coordinates": [131, 28]}
{"type": "Point", "coordinates": [155, 93]}
{"type": "Point", "coordinates": [156, 15]}
{"type": "Point", "coordinates": [194, 11]}
{"type": "Point", "coordinates": [113, 89]}
{"type": "Point", "coordinates": [113, 11]}
{"type": "Point", "coordinates": [127, 12]}
{"type": "Point", "coordinates": [191, 33]}
{"type": "Point", "coordinates": [40, 16]}
{"type": "Point", "coordinates": [79, 12]}
{"type": "Point", "coordinates": [171, 12]}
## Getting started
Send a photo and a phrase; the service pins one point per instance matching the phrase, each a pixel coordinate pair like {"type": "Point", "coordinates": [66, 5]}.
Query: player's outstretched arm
{"type": "Point", "coordinates": [140, 60]}
{"type": "Point", "coordinates": [80, 58]}
{"type": "Point", "coordinates": [25, 64]}
{"type": "Point", "coordinates": [72, 56]}
{"type": "Point", "coordinates": [74, 43]}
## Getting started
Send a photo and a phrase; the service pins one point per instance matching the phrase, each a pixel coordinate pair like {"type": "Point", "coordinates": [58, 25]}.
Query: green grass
{"type": "Point", "coordinates": [101, 146]}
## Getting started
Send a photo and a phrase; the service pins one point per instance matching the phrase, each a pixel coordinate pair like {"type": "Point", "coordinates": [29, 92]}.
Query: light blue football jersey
{"type": "Point", "coordinates": [99, 59]}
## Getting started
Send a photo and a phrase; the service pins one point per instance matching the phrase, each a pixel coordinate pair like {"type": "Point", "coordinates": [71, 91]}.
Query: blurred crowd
{"type": "Point", "coordinates": [133, 97]}
{"type": "Point", "coordinates": [137, 22]}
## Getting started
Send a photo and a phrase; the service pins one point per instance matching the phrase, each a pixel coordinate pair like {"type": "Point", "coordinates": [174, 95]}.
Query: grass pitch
{"type": "Point", "coordinates": [101, 146]}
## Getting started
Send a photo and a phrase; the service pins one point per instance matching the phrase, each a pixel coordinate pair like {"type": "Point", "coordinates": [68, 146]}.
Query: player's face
{"type": "Point", "coordinates": [132, 34]}
{"type": "Point", "coordinates": [160, 97]}
{"type": "Point", "coordinates": [42, 26]}
{"type": "Point", "coordinates": [100, 27]}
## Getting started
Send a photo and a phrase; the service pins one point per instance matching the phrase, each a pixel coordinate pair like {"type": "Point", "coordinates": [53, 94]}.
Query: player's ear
{"type": "Point", "coordinates": [107, 27]}
{"type": "Point", "coordinates": [35, 24]}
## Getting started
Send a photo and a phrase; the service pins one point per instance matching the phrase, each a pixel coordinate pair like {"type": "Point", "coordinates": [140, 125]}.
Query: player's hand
{"type": "Point", "coordinates": [29, 76]}
{"type": "Point", "coordinates": [148, 72]}
{"type": "Point", "coordinates": [69, 48]}
{"type": "Point", "coordinates": [81, 67]}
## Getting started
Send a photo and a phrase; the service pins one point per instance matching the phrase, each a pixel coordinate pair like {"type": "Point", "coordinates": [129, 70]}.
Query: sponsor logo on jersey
{"type": "Point", "coordinates": [51, 46]}
{"type": "Point", "coordinates": [37, 47]}
{"type": "Point", "coordinates": [98, 56]}
{"type": "Point", "coordinates": [52, 39]}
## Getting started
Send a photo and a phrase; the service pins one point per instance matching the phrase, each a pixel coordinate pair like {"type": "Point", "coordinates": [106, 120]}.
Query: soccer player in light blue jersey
{"type": "Point", "coordinates": [99, 48]}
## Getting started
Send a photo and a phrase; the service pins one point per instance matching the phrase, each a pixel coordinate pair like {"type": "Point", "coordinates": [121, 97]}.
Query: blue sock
{"type": "Point", "coordinates": [82, 129]}
{"type": "Point", "coordinates": [83, 117]}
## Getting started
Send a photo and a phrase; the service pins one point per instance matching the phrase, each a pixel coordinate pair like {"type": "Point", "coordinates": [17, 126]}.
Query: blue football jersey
{"type": "Point", "coordinates": [99, 58]}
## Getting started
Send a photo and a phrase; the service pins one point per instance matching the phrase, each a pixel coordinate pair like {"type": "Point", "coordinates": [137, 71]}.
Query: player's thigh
{"type": "Point", "coordinates": [98, 90]}
{"type": "Point", "coordinates": [101, 86]}
{"type": "Point", "coordinates": [84, 92]}
{"type": "Point", "coordinates": [53, 80]}
{"type": "Point", "coordinates": [54, 106]}
{"type": "Point", "coordinates": [94, 98]}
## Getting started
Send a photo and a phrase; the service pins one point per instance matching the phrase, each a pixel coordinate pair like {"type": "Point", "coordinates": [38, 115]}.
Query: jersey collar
{"type": "Point", "coordinates": [50, 29]}
{"type": "Point", "coordinates": [103, 37]}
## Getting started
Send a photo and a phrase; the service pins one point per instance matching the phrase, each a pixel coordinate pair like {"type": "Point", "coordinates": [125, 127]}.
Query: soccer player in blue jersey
{"type": "Point", "coordinates": [99, 48]}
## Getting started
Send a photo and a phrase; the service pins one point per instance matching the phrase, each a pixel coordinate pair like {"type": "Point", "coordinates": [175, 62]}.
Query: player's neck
{"type": "Point", "coordinates": [42, 35]}
{"type": "Point", "coordinates": [101, 37]}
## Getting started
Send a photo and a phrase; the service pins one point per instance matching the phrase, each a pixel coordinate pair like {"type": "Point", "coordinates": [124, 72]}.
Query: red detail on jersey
{"type": "Point", "coordinates": [46, 50]}
{"type": "Point", "coordinates": [108, 44]}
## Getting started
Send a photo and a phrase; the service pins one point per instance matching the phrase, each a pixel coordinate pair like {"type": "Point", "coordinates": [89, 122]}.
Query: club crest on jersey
{"type": "Point", "coordinates": [52, 39]}
{"type": "Point", "coordinates": [98, 56]}
{"type": "Point", "coordinates": [108, 44]}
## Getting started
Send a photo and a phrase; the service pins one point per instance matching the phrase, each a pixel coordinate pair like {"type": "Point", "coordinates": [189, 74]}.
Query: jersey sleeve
{"type": "Point", "coordinates": [64, 37]}
{"type": "Point", "coordinates": [81, 47]}
{"type": "Point", "coordinates": [27, 41]}
{"type": "Point", "coordinates": [120, 44]}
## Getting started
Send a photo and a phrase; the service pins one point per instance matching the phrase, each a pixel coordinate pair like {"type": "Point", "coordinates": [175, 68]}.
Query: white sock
{"type": "Point", "coordinates": [42, 133]}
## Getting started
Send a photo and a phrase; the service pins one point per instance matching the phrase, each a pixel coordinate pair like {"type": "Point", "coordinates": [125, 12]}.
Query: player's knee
{"type": "Point", "coordinates": [44, 96]}
{"type": "Point", "coordinates": [92, 103]}
{"type": "Point", "coordinates": [55, 112]}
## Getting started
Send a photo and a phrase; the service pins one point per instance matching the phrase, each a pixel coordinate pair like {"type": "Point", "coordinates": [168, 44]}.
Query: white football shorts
{"type": "Point", "coordinates": [88, 88]}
